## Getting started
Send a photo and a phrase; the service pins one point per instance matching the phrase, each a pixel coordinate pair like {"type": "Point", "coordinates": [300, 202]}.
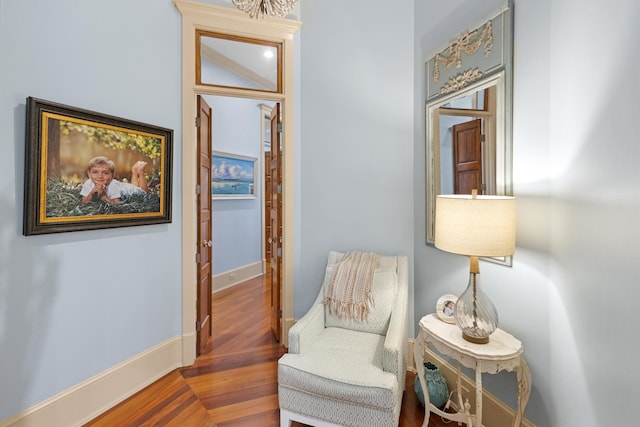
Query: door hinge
{"type": "Point", "coordinates": [198, 189]}
{"type": "Point", "coordinates": [279, 252]}
{"type": "Point", "coordinates": [279, 189]}
{"type": "Point", "coordinates": [279, 126]}
{"type": "Point", "coordinates": [198, 326]}
{"type": "Point", "coordinates": [482, 138]}
{"type": "Point", "coordinates": [279, 313]}
{"type": "Point", "coordinates": [197, 257]}
{"type": "Point", "coordinates": [197, 122]}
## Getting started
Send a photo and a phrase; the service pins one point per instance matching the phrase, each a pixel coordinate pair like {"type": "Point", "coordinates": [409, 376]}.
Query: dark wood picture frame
{"type": "Point", "coordinates": [62, 141]}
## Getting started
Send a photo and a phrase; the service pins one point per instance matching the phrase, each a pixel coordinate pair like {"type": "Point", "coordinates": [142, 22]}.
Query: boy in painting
{"type": "Point", "coordinates": [102, 184]}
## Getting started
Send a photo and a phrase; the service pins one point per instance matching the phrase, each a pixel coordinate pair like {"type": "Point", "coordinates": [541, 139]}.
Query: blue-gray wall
{"type": "Point", "coordinates": [75, 304]}
{"type": "Point", "coordinates": [357, 133]}
{"type": "Point", "coordinates": [570, 296]}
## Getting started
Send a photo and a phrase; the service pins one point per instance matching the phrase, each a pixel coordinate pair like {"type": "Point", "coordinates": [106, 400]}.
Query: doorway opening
{"type": "Point", "coordinates": [221, 20]}
{"type": "Point", "coordinates": [246, 213]}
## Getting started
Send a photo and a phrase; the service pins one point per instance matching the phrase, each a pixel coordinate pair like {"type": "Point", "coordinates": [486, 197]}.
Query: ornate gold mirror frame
{"type": "Point", "coordinates": [470, 79]}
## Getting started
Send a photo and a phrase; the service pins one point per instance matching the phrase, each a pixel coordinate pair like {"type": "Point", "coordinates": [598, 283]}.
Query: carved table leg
{"type": "Point", "coordinates": [478, 397]}
{"type": "Point", "coordinates": [463, 406]}
{"type": "Point", "coordinates": [418, 357]}
{"type": "Point", "coordinates": [523, 375]}
{"type": "Point", "coordinates": [459, 387]}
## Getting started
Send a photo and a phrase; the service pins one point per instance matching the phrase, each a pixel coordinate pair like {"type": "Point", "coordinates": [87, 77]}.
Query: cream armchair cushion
{"type": "Point", "coordinates": [347, 373]}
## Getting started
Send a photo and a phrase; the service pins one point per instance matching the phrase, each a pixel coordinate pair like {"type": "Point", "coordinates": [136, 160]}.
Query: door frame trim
{"type": "Point", "coordinates": [200, 16]}
{"type": "Point", "coordinates": [264, 109]}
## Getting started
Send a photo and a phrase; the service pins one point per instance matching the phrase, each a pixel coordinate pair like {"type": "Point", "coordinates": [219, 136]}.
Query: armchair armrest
{"type": "Point", "coordinates": [307, 329]}
{"type": "Point", "coordinates": [395, 345]}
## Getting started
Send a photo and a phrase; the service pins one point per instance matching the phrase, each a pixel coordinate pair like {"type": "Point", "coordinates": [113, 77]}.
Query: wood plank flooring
{"type": "Point", "coordinates": [234, 382]}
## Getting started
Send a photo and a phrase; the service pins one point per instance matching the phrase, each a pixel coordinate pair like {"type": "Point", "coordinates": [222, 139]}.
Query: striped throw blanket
{"type": "Point", "coordinates": [349, 296]}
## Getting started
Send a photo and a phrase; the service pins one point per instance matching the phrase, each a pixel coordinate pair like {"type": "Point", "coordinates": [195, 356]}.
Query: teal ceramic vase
{"type": "Point", "coordinates": [436, 386]}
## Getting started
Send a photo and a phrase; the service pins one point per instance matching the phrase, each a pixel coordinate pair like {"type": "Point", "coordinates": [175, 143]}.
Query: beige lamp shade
{"type": "Point", "coordinates": [476, 225]}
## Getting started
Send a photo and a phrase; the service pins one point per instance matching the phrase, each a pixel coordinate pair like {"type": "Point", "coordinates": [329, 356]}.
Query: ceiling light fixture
{"type": "Point", "coordinates": [262, 8]}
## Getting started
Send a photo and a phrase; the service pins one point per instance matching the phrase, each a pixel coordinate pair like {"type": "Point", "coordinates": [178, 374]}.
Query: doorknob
{"type": "Point", "coordinates": [206, 243]}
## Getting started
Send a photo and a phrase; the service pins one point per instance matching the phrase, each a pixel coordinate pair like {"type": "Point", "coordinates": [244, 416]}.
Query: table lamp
{"type": "Point", "coordinates": [475, 226]}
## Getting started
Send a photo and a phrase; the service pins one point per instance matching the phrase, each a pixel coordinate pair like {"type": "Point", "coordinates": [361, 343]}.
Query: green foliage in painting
{"type": "Point", "coordinates": [64, 200]}
{"type": "Point", "coordinates": [115, 139]}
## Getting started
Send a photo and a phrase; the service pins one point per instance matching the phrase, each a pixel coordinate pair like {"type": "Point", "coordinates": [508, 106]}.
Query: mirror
{"type": "Point", "coordinates": [238, 62]}
{"type": "Point", "coordinates": [469, 117]}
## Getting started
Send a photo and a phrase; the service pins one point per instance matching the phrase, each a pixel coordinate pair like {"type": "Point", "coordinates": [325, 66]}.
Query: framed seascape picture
{"type": "Point", "coordinates": [85, 170]}
{"type": "Point", "coordinates": [233, 176]}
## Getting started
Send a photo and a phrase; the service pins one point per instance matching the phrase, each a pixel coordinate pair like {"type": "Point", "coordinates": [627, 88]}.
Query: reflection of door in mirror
{"type": "Point", "coordinates": [470, 80]}
{"type": "Point", "coordinates": [467, 157]}
{"type": "Point", "coordinates": [467, 143]}
{"type": "Point", "coordinates": [483, 101]}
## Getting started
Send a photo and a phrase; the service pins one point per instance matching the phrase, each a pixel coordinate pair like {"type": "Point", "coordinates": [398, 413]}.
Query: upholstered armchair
{"type": "Point", "coordinates": [346, 372]}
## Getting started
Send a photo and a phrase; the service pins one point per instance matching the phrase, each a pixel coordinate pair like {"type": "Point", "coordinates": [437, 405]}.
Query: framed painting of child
{"type": "Point", "coordinates": [86, 170]}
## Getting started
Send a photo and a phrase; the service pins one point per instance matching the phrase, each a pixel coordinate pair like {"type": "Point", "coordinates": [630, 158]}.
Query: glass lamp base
{"type": "Point", "coordinates": [475, 340]}
{"type": "Point", "coordinates": [475, 314]}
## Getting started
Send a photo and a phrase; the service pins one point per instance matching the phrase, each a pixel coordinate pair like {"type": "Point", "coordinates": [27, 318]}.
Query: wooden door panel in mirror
{"type": "Point", "coordinates": [469, 83]}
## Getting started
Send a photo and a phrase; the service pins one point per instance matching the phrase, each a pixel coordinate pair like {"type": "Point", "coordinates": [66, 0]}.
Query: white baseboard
{"type": "Point", "coordinates": [90, 398]}
{"type": "Point", "coordinates": [494, 411]}
{"type": "Point", "coordinates": [189, 341]}
{"type": "Point", "coordinates": [411, 362]}
{"type": "Point", "coordinates": [288, 324]}
{"type": "Point", "coordinates": [238, 275]}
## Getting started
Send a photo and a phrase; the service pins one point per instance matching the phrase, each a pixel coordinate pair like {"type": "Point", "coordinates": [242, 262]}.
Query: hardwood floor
{"type": "Point", "coordinates": [234, 382]}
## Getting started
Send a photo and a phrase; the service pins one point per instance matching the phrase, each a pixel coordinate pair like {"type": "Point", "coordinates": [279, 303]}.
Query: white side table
{"type": "Point", "coordinates": [503, 352]}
